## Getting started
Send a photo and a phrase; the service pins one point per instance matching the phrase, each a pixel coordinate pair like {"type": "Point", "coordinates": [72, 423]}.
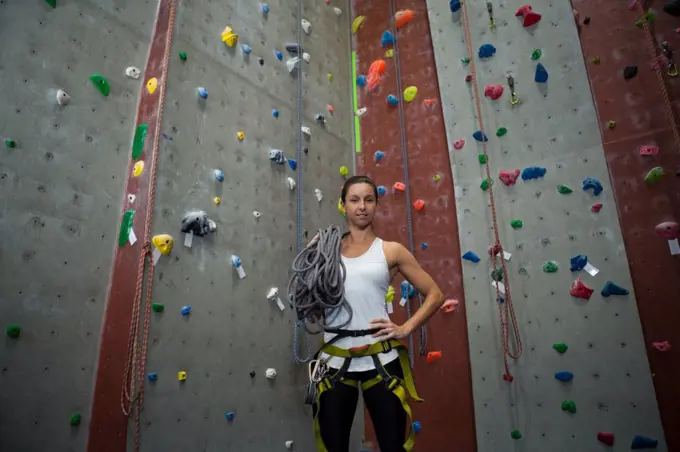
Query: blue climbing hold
{"type": "Point", "coordinates": [387, 39]}
{"type": "Point", "coordinates": [152, 376]}
{"type": "Point", "coordinates": [424, 246]}
{"type": "Point", "coordinates": [293, 164]}
{"type": "Point", "coordinates": [541, 74]}
{"type": "Point", "coordinates": [202, 92]}
{"type": "Point", "coordinates": [591, 182]}
{"type": "Point", "coordinates": [501, 299]}
{"type": "Point", "coordinates": [279, 55]}
{"type": "Point", "coordinates": [407, 290]}
{"type": "Point", "coordinates": [219, 175]}
{"type": "Point", "coordinates": [361, 80]}
{"type": "Point", "coordinates": [471, 256]}
{"type": "Point", "coordinates": [533, 172]}
{"type": "Point", "coordinates": [564, 376]}
{"type": "Point", "coordinates": [613, 289]}
{"type": "Point", "coordinates": [455, 5]}
{"type": "Point", "coordinates": [382, 190]}
{"type": "Point", "coordinates": [416, 426]}
{"type": "Point", "coordinates": [235, 260]}
{"type": "Point", "coordinates": [379, 155]}
{"type": "Point", "coordinates": [229, 416]}
{"type": "Point", "coordinates": [265, 9]}
{"type": "Point", "coordinates": [644, 442]}
{"type": "Point", "coordinates": [392, 100]}
{"type": "Point", "coordinates": [186, 310]}
{"type": "Point", "coordinates": [578, 262]}
{"type": "Point", "coordinates": [275, 113]}
{"type": "Point", "coordinates": [486, 51]}
{"type": "Point", "coordinates": [479, 136]}
{"type": "Point", "coordinates": [246, 49]}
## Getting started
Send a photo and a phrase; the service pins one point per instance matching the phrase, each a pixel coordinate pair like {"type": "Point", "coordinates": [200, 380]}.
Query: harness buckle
{"type": "Point", "coordinates": [386, 346]}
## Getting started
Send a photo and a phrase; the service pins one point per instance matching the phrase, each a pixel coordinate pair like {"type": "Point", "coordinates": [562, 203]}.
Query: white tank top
{"type": "Point", "coordinates": [366, 282]}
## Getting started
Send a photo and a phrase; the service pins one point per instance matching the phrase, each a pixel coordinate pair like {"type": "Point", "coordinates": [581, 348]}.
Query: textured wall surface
{"type": "Point", "coordinates": [61, 188]}
{"type": "Point", "coordinates": [554, 126]}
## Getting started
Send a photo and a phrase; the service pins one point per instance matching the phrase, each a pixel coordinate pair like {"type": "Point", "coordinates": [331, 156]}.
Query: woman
{"type": "Point", "coordinates": [370, 265]}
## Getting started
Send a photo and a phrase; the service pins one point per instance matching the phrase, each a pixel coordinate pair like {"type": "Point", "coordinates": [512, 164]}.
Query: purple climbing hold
{"type": "Point", "coordinates": [471, 256]}
{"type": "Point", "coordinates": [387, 39]}
{"type": "Point", "coordinates": [591, 182]}
{"type": "Point", "coordinates": [541, 74]}
{"type": "Point", "coordinates": [613, 289]}
{"type": "Point", "coordinates": [479, 136]}
{"type": "Point", "coordinates": [293, 164]}
{"type": "Point", "coordinates": [578, 262]}
{"type": "Point", "coordinates": [644, 442]}
{"type": "Point", "coordinates": [564, 376]}
{"type": "Point", "coordinates": [486, 51]}
{"type": "Point", "coordinates": [533, 172]}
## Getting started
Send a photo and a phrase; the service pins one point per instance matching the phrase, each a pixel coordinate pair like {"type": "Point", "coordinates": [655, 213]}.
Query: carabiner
{"type": "Point", "coordinates": [489, 8]}
{"type": "Point", "coordinates": [671, 68]}
{"type": "Point", "coordinates": [514, 98]}
{"type": "Point", "coordinates": [317, 370]}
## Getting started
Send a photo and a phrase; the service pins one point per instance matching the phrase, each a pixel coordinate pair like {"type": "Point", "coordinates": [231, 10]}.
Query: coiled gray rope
{"type": "Point", "coordinates": [317, 287]}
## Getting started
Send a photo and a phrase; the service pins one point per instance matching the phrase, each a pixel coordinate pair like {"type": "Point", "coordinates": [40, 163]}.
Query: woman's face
{"type": "Point", "coordinates": [360, 204]}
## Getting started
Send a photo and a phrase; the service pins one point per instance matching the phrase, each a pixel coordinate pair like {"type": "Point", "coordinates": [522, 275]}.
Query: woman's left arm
{"type": "Point", "coordinates": [410, 269]}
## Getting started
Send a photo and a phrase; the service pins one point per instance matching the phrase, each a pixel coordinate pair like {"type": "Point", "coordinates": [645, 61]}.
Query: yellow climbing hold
{"type": "Point", "coordinates": [181, 375]}
{"type": "Point", "coordinates": [389, 53]}
{"type": "Point", "coordinates": [217, 200]}
{"type": "Point", "coordinates": [340, 208]}
{"type": "Point", "coordinates": [357, 23]}
{"type": "Point", "coordinates": [241, 136]}
{"type": "Point", "coordinates": [151, 85]}
{"type": "Point", "coordinates": [163, 243]}
{"type": "Point", "coordinates": [329, 76]}
{"type": "Point", "coordinates": [410, 93]}
{"type": "Point", "coordinates": [138, 168]}
{"type": "Point", "coordinates": [436, 178]}
{"type": "Point", "coordinates": [229, 37]}
{"type": "Point", "coordinates": [389, 296]}
{"type": "Point", "coordinates": [344, 171]}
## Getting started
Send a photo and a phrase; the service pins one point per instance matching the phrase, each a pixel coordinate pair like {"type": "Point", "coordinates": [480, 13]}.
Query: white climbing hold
{"type": "Point", "coordinates": [307, 131]}
{"type": "Point", "coordinates": [256, 214]}
{"type": "Point", "coordinates": [273, 295]}
{"type": "Point", "coordinates": [306, 26]}
{"type": "Point", "coordinates": [292, 64]}
{"type": "Point", "coordinates": [132, 72]}
{"type": "Point", "coordinates": [270, 373]}
{"type": "Point", "coordinates": [307, 57]}
{"type": "Point", "coordinates": [337, 11]}
{"type": "Point", "coordinates": [318, 194]}
{"type": "Point", "coordinates": [360, 112]}
{"type": "Point", "coordinates": [291, 183]}
{"type": "Point", "coordinates": [289, 444]}
{"type": "Point", "coordinates": [62, 97]}
{"type": "Point", "coordinates": [131, 199]}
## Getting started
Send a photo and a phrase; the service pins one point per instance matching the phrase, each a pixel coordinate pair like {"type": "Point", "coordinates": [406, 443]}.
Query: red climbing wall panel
{"type": "Point", "coordinates": [447, 416]}
{"type": "Point", "coordinates": [108, 425]}
{"type": "Point", "coordinates": [642, 118]}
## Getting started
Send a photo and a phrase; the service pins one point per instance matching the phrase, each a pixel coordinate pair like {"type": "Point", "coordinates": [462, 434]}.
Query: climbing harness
{"type": "Point", "coordinates": [132, 394]}
{"type": "Point", "coordinates": [514, 98]}
{"type": "Point", "coordinates": [322, 378]}
{"type": "Point", "coordinates": [489, 8]}
{"type": "Point", "coordinates": [506, 310]}
{"type": "Point", "coordinates": [407, 191]}
{"type": "Point", "coordinates": [671, 68]}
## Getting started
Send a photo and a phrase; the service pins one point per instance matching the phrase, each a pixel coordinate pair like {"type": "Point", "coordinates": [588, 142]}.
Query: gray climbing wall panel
{"type": "Point", "coordinates": [60, 192]}
{"type": "Point", "coordinates": [233, 329]}
{"type": "Point", "coordinates": [554, 126]}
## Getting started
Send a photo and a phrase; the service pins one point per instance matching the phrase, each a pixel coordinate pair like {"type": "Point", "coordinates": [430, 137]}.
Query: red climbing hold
{"type": "Point", "coordinates": [649, 150]}
{"type": "Point", "coordinates": [433, 356]}
{"type": "Point", "coordinates": [530, 17]}
{"type": "Point", "coordinates": [468, 78]}
{"type": "Point", "coordinates": [596, 207]}
{"type": "Point", "coordinates": [494, 250]}
{"type": "Point", "coordinates": [606, 437]}
{"type": "Point", "coordinates": [509, 177]}
{"type": "Point", "coordinates": [523, 10]}
{"type": "Point", "coordinates": [458, 144]}
{"type": "Point", "coordinates": [493, 91]}
{"type": "Point", "coordinates": [662, 346]}
{"type": "Point", "coordinates": [419, 204]}
{"type": "Point", "coordinates": [580, 290]}
{"type": "Point", "coordinates": [507, 377]}
{"type": "Point", "coordinates": [668, 230]}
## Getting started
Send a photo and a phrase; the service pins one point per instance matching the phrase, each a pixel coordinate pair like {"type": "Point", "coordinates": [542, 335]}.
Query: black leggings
{"type": "Point", "coordinates": [339, 404]}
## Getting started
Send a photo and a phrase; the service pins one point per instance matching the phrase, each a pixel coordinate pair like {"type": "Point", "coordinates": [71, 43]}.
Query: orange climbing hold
{"type": "Point", "coordinates": [399, 186]}
{"type": "Point", "coordinates": [403, 17]}
{"type": "Point", "coordinates": [419, 204]}
{"type": "Point", "coordinates": [375, 72]}
{"type": "Point", "coordinates": [450, 305]}
{"type": "Point", "coordinates": [433, 356]}
{"type": "Point", "coordinates": [430, 102]}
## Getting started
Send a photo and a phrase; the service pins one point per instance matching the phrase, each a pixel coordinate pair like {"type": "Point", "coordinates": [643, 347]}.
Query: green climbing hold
{"type": "Point", "coordinates": [74, 419]}
{"type": "Point", "coordinates": [183, 56]}
{"type": "Point", "coordinates": [536, 54]}
{"type": "Point", "coordinates": [13, 331]}
{"type": "Point", "coordinates": [563, 189]}
{"type": "Point", "coordinates": [497, 275]}
{"type": "Point", "coordinates": [654, 175]}
{"type": "Point", "coordinates": [560, 347]}
{"type": "Point", "coordinates": [501, 131]}
{"type": "Point", "coordinates": [569, 405]}
{"type": "Point", "coordinates": [638, 23]}
{"type": "Point", "coordinates": [515, 434]}
{"type": "Point", "coordinates": [486, 183]}
{"type": "Point", "coordinates": [482, 159]}
{"type": "Point", "coordinates": [157, 307]}
{"type": "Point", "coordinates": [465, 60]}
{"type": "Point", "coordinates": [138, 142]}
{"type": "Point", "coordinates": [101, 84]}
{"type": "Point", "coordinates": [650, 16]}
{"type": "Point", "coordinates": [11, 143]}
{"type": "Point", "coordinates": [551, 267]}
{"type": "Point", "coordinates": [125, 227]}
{"type": "Point", "coordinates": [52, 3]}
{"type": "Point", "coordinates": [516, 224]}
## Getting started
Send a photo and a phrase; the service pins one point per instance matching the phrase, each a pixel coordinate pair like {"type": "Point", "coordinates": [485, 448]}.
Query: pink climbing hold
{"type": "Point", "coordinates": [458, 144]}
{"type": "Point", "coordinates": [662, 346]}
{"type": "Point", "coordinates": [493, 91]}
{"type": "Point", "coordinates": [468, 78]}
{"type": "Point", "coordinates": [596, 207]}
{"type": "Point", "coordinates": [649, 150]}
{"type": "Point", "coordinates": [668, 230]}
{"type": "Point", "coordinates": [580, 290]}
{"type": "Point", "coordinates": [606, 437]}
{"type": "Point", "coordinates": [530, 17]}
{"type": "Point", "coordinates": [509, 177]}
{"type": "Point", "coordinates": [494, 250]}
{"type": "Point", "coordinates": [633, 5]}
{"type": "Point", "coordinates": [450, 305]}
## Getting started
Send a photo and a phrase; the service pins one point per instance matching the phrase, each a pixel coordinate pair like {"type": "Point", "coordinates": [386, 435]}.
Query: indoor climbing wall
{"type": "Point", "coordinates": [61, 179]}
{"type": "Point", "coordinates": [583, 376]}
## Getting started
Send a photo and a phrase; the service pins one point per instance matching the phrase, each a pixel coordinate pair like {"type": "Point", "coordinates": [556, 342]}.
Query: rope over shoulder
{"type": "Point", "coordinates": [316, 290]}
